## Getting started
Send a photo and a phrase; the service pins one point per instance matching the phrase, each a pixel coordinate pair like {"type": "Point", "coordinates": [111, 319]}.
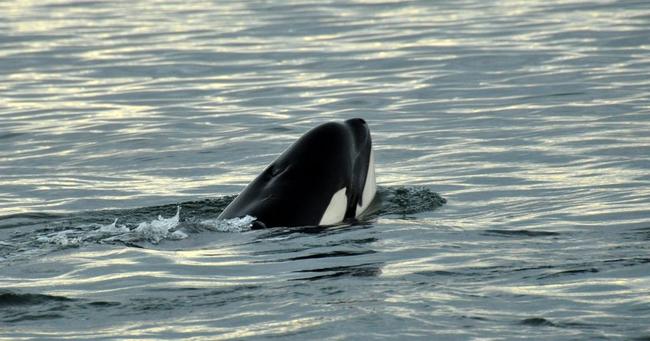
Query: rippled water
{"type": "Point", "coordinates": [530, 117]}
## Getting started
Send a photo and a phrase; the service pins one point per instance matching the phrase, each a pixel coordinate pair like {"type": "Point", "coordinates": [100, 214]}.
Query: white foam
{"type": "Point", "coordinates": [62, 238]}
{"type": "Point", "coordinates": [153, 231]}
{"type": "Point", "coordinates": [230, 225]}
{"type": "Point", "coordinates": [159, 229]}
{"type": "Point", "coordinates": [113, 228]}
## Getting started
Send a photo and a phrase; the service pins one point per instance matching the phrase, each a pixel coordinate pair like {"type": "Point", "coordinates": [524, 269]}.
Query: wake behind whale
{"type": "Point", "coordinates": [27, 235]}
{"type": "Point", "coordinates": [326, 177]}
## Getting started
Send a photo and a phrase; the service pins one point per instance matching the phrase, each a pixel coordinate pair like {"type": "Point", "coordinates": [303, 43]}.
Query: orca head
{"type": "Point", "coordinates": [324, 178]}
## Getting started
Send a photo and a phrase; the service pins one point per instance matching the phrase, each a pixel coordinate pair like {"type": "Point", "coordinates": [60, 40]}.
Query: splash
{"type": "Point", "coordinates": [152, 231]}
{"type": "Point", "coordinates": [67, 238]}
{"type": "Point", "coordinates": [113, 228]}
{"type": "Point", "coordinates": [230, 225]}
{"type": "Point", "coordinates": [36, 234]}
{"type": "Point", "coordinates": [161, 228]}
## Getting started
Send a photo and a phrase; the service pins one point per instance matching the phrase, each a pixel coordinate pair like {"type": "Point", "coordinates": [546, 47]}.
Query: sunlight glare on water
{"type": "Point", "coordinates": [529, 117]}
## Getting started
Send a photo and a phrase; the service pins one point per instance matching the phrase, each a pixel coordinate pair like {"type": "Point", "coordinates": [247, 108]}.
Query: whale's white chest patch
{"type": "Point", "coordinates": [335, 211]}
{"type": "Point", "coordinates": [337, 207]}
{"type": "Point", "coordinates": [370, 188]}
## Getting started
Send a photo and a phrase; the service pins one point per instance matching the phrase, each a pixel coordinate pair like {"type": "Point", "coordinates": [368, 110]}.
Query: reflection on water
{"type": "Point", "coordinates": [529, 117]}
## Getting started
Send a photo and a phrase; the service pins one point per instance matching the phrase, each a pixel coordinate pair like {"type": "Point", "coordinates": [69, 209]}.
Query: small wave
{"type": "Point", "coordinates": [537, 322]}
{"type": "Point", "coordinates": [10, 298]}
{"type": "Point", "coordinates": [17, 307]}
{"type": "Point", "coordinates": [360, 270]}
{"type": "Point", "coordinates": [21, 219]}
{"type": "Point", "coordinates": [569, 273]}
{"type": "Point", "coordinates": [521, 233]}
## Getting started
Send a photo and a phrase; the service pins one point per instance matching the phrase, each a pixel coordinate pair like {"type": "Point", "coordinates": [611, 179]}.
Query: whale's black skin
{"type": "Point", "coordinates": [296, 189]}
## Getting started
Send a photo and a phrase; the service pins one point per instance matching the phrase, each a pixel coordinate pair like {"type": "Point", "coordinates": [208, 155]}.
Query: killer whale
{"type": "Point", "coordinates": [324, 178]}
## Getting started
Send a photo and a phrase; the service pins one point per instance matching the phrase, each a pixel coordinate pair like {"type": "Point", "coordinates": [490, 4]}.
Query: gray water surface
{"type": "Point", "coordinates": [532, 118]}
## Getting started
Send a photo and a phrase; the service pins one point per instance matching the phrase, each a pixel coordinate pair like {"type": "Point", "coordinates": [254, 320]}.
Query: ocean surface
{"type": "Point", "coordinates": [127, 126]}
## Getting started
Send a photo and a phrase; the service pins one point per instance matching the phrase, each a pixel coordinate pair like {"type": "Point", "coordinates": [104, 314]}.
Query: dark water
{"type": "Point", "coordinates": [532, 118]}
